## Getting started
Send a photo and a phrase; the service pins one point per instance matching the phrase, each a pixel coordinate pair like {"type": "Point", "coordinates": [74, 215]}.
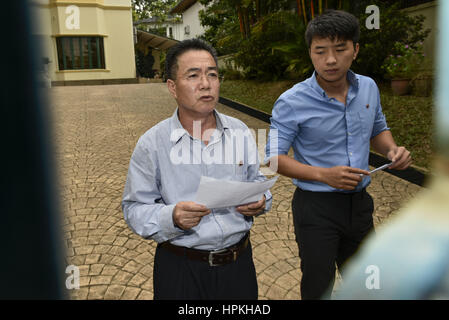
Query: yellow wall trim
{"type": "Point", "coordinates": [79, 35]}
{"type": "Point", "coordinates": [83, 4]}
{"type": "Point", "coordinates": [78, 1]}
{"type": "Point", "coordinates": [82, 70]}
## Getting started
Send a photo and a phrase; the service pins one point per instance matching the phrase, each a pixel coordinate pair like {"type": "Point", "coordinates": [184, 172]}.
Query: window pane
{"type": "Point", "coordinates": [85, 52]}
{"type": "Point", "coordinates": [80, 53]}
{"type": "Point", "coordinates": [67, 52]}
{"type": "Point", "coordinates": [60, 53]}
{"type": "Point", "coordinates": [102, 64]}
{"type": "Point", "coordinates": [76, 53]}
{"type": "Point", "coordinates": [93, 52]}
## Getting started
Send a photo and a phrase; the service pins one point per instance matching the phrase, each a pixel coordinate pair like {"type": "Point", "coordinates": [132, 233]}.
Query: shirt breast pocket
{"type": "Point", "coordinates": [366, 120]}
{"type": "Point", "coordinates": [241, 171]}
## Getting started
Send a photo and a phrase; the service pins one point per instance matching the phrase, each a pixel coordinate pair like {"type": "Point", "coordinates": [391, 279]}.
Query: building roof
{"type": "Point", "coordinates": [156, 21]}
{"type": "Point", "coordinates": [182, 6]}
{"type": "Point", "coordinates": [152, 20]}
{"type": "Point", "coordinates": [154, 41]}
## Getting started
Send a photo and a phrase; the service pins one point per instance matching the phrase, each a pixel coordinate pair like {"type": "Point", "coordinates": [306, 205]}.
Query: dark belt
{"type": "Point", "coordinates": [213, 258]}
{"type": "Point", "coordinates": [350, 193]}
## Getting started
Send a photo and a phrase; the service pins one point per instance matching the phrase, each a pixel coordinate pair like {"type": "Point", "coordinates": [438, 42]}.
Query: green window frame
{"type": "Point", "coordinates": [78, 53]}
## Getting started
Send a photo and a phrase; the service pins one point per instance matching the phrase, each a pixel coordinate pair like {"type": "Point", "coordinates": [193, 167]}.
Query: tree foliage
{"type": "Point", "coordinates": [143, 9]}
{"type": "Point", "coordinates": [376, 45]}
{"type": "Point", "coordinates": [275, 49]}
{"type": "Point", "coordinates": [267, 37]}
{"type": "Point", "coordinates": [144, 64]}
{"type": "Point", "coordinates": [222, 26]}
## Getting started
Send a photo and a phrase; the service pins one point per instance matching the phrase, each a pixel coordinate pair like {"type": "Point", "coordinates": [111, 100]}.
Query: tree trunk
{"type": "Point", "coordinates": [311, 9]}
{"type": "Point", "coordinates": [298, 4]}
{"type": "Point", "coordinates": [246, 23]}
{"type": "Point", "coordinates": [240, 15]}
{"type": "Point", "coordinates": [257, 10]}
{"type": "Point", "coordinates": [304, 12]}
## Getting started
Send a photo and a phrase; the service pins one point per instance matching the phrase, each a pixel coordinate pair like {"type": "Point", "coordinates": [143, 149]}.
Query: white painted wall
{"type": "Point", "coordinates": [190, 19]}
{"type": "Point", "coordinates": [430, 11]}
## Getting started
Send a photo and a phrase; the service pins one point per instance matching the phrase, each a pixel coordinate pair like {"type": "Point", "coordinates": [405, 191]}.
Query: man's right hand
{"type": "Point", "coordinates": [188, 214]}
{"type": "Point", "coordinates": [343, 177]}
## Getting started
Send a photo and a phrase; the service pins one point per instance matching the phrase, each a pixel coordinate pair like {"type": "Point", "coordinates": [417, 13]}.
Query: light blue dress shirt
{"type": "Point", "coordinates": [323, 131]}
{"type": "Point", "coordinates": [166, 167]}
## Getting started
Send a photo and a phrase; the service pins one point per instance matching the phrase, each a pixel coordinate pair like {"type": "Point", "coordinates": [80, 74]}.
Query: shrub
{"type": "Point", "coordinates": [404, 61]}
{"type": "Point", "coordinates": [231, 74]}
{"type": "Point", "coordinates": [144, 63]}
{"type": "Point", "coordinates": [276, 47]}
{"type": "Point", "coordinates": [377, 45]}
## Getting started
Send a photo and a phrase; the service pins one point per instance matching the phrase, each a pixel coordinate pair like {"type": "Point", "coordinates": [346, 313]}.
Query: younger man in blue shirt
{"type": "Point", "coordinates": [330, 120]}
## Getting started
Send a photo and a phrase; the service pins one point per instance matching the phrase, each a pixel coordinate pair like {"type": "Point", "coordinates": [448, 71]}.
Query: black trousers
{"type": "Point", "coordinates": [329, 228]}
{"type": "Point", "coordinates": [179, 278]}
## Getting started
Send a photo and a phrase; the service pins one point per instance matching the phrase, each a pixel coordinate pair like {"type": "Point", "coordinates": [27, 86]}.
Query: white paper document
{"type": "Point", "coordinates": [214, 193]}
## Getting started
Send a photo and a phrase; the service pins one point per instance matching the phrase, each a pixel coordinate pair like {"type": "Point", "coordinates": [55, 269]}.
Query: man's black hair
{"type": "Point", "coordinates": [334, 24]}
{"type": "Point", "coordinates": [171, 60]}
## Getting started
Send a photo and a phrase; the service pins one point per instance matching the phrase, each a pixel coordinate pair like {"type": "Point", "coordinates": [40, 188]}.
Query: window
{"type": "Point", "coordinates": [187, 30]}
{"type": "Point", "coordinates": [80, 53]}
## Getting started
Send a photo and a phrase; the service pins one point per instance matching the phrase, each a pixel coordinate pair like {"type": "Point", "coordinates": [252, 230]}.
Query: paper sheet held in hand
{"type": "Point", "coordinates": [214, 193]}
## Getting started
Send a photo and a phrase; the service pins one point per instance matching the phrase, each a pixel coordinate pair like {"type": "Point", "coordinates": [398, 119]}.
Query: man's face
{"type": "Point", "coordinates": [196, 88]}
{"type": "Point", "coordinates": [332, 58]}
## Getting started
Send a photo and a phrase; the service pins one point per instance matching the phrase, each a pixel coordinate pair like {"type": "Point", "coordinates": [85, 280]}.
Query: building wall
{"type": "Point", "coordinates": [190, 18]}
{"type": "Point", "coordinates": [429, 10]}
{"type": "Point", "coordinates": [177, 31]}
{"type": "Point", "coordinates": [111, 19]}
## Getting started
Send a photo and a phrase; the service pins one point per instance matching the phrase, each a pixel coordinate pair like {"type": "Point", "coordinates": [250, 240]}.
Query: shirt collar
{"type": "Point", "coordinates": [177, 131]}
{"type": "Point", "coordinates": [351, 76]}
{"type": "Point", "coordinates": [353, 79]}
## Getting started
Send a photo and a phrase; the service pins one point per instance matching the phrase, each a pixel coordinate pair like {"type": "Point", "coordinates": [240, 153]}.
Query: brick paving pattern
{"type": "Point", "coordinates": [96, 129]}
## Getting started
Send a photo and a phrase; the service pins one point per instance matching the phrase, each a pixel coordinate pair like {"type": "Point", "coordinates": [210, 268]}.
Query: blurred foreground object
{"type": "Point", "coordinates": [30, 245]}
{"type": "Point", "coordinates": [409, 258]}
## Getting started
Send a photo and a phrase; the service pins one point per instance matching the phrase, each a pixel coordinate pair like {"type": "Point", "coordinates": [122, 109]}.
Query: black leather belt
{"type": "Point", "coordinates": [213, 258]}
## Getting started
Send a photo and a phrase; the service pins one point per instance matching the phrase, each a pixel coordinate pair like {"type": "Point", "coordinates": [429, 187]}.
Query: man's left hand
{"type": "Point", "coordinates": [400, 157]}
{"type": "Point", "coordinates": [253, 208]}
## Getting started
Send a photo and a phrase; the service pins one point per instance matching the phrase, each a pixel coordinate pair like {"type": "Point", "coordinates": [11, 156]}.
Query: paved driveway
{"type": "Point", "coordinates": [96, 129]}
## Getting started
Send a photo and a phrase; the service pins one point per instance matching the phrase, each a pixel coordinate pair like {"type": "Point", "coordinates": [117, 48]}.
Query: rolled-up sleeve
{"type": "Point", "coordinates": [143, 207]}
{"type": "Point", "coordinates": [380, 123]}
{"type": "Point", "coordinates": [283, 130]}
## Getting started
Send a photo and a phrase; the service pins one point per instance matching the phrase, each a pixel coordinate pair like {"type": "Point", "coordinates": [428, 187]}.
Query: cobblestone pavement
{"type": "Point", "coordinates": [96, 129]}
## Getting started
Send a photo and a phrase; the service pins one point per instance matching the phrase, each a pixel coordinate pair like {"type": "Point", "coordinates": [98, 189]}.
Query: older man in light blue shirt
{"type": "Point", "coordinates": [155, 184]}
{"type": "Point", "coordinates": [202, 253]}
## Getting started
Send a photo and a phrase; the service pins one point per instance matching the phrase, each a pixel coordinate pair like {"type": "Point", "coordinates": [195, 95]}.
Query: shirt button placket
{"type": "Point", "coordinates": [349, 136]}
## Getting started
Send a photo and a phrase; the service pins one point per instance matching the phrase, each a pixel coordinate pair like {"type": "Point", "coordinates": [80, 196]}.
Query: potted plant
{"type": "Point", "coordinates": [402, 64]}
